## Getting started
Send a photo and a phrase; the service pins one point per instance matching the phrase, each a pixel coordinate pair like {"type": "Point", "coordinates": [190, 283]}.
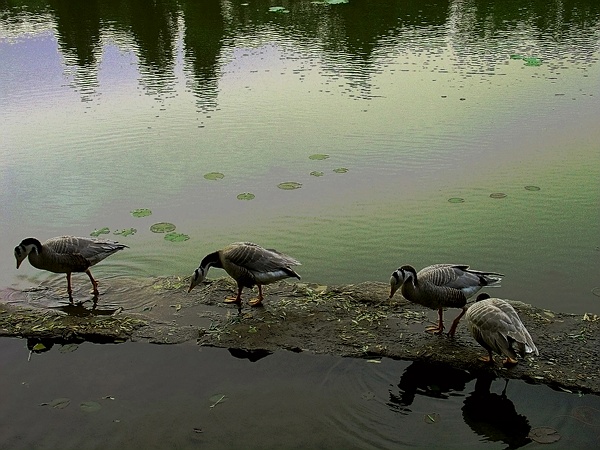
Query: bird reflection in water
{"type": "Point", "coordinates": [493, 416]}
{"type": "Point", "coordinates": [427, 379]}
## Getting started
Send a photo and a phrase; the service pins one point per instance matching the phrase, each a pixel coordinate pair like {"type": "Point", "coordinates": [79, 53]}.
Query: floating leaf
{"type": "Point", "coordinates": [125, 232]}
{"type": "Point", "coordinates": [278, 9]}
{"type": "Point", "coordinates": [340, 170]}
{"type": "Point", "coordinates": [162, 227]}
{"type": "Point", "coordinates": [245, 196]}
{"type": "Point", "coordinates": [289, 185]}
{"type": "Point", "coordinates": [216, 399]}
{"type": "Point", "coordinates": [596, 291]}
{"type": "Point", "coordinates": [544, 435]}
{"type": "Point", "coordinates": [498, 195]}
{"type": "Point", "coordinates": [142, 212]}
{"type": "Point", "coordinates": [59, 403]}
{"type": "Point", "coordinates": [515, 56]}
{"type": "Point", "coordinates": [68, 348]}
{"type": "Point", "coordinates": [456, 200]}
{"type": "Point", "coordinates": [176, 237]}
{"type": "Point", "coordinates": [214, 176]}
{"type": "Point", "coordinates": [532, 188]}
{"type": "Point", "coordinates": [317, 174]}
{"type": "Point", "coordinates": [39, 347]}
{"type": "Point", "coordinates": [318, 156]}
{"type": "Point", "coordinates": [90, 406]}
{"type": "Point", "coordinates": [431, 418]}
{"type": "Point", "coordinates": [97, 233]}
{"type": "Point", "coordinates": [532, 62]}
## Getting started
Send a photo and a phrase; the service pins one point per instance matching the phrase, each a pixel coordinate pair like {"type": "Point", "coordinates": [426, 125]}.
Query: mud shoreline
{"type": "Point", "coordinates": [349, 321]}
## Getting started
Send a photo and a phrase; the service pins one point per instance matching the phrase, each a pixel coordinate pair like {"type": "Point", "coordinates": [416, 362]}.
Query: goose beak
{"type": "Point", "coordinates": [19, 261]}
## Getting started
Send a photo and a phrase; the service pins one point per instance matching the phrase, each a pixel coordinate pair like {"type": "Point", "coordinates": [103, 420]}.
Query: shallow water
{"type": "Point", "coordinates": [110, 108]}
{"type": "Point", "coordinates": [168, 397]}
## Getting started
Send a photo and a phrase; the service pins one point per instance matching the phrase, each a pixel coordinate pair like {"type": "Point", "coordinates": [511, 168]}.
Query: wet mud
{"type": "Point", "coordinates": [349, 320]}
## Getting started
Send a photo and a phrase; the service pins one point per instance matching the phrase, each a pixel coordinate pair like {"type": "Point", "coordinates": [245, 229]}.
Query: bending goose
{"type": "Point", "coordinates": [248, 264]}
{"type": "Point", "coordinates": [495, 324]}
{"type": "Point", "coordinates": [440, 286]}
{"type": "Point", "coordinates": [67, 254]}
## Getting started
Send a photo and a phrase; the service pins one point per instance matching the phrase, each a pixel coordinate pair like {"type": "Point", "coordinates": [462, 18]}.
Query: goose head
{"type": "Point", "coordinates": [400, 276]}
{"type": "Point", "coordinates": [198, 277]}
{"type": "Point", "coordinates": [482, 296]}
{"type": "Point", "coordinates": [26, 246]}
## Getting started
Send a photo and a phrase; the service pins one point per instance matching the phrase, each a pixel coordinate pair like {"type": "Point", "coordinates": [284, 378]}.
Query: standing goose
{"type": "Point", "coordinates": [248, 264]}
{"type": "Point", "coordinates": [495, 324]}
{"type": "Point", "coordinates": [440, 286]}
{"type": "Point", "coordinates": [67, 254]}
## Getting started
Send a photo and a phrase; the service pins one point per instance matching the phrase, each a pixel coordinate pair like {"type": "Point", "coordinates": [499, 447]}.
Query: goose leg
{"type": "Point", "coordinates": [488, 358]}
{"type": "Point", "coordinates": [69, 290]}
{"type": "Point", "coordinates": [440, 326]}
{"type": "Point", "coordinates": [94, 282]}
{"type": "Point", "coordinates": [257, 301]}
{"type": "Point", "coordinates": [237, 299]}
{"type": "Point", "coordinates": [455, 323]}
{"type": "Point", "coordinates": [510, 362]}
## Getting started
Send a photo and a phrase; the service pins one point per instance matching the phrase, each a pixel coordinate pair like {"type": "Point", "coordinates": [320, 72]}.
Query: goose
{"type": "Point", "coordinates": [496, 326]}
{"type": "Point", "coordinates": [67, 254]}
{"type": "Point", "coordinates": [441, 285]}
{"type": "Point", "coordinates": [248, 264]}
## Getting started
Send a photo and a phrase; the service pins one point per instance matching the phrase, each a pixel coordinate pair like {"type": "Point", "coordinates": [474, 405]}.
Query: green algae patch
{"type": "Point", "coordinates": [100, 231]}
{"type": "Point", "coordinates": [176, 237]}
{"type": "Point", "coordinates": [141, 212]}
{"type": "Point", "coordinates": [125, 232]}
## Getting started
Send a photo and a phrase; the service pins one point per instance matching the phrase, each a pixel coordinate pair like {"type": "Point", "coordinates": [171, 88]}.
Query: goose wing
{"type": "Point", "coordinates": [518, 332]}
{"type": "Point", "coordinates": [257, 259]}
{"type": "Point", "coordinates": [80, 249]}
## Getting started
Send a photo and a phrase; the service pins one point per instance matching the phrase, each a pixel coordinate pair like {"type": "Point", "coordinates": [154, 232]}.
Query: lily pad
{"type": "Point", "coordinates": [245, 196]}
{"type": "Point", "coordinates": [214, 176]}
{"type": "Point", "coordinates": [278, 9]}
{"type": "Point", "coordinates": [97, 233]}
{"type": "Point", "coordinates": [532, 62]}
{"type": "Point", "coordinates": [516, 56]}
{"type": "Point", "coordinates": [142, 212]}
{"type": "Point", "coordinates": [498, 195]}
{"type": "Point", "coordinates": [162, 227]}
{"type": "Point", "coordinates": [90, 406]}
{"type": "Point", "coordinates": [125, 232]}
{"type": "Point", "coordinates": [58, 403]}
{"type": "Point", "coordinates": [456, 200]}
{"type": "Point", "coordinates": [176, 237]}
{"type": "Point", "coordinates": [340, 170]}
{"type": "Point", "coordinates": [544, 435]}
{"type": "Point", "coordinates": [315, 173]}
{"type": "Point", "coordinates": [289, 185]}
{"type": "Point", "coordinates": [532, 188]}
{"type": "Point", "coordinates": [318, 156]}
{"type": "Point", "coordinates": [39, 347]}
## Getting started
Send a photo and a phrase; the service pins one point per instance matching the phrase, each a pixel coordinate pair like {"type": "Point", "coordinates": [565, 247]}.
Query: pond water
{"type": "Point", "coordinates": [455, 131]}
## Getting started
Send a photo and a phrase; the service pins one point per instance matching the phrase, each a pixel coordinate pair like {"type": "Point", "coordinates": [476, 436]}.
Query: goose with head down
{"type": "Point", "coordinates": [441, 286]}
{"type": "Point", "coordinates": [67, 254]}
{"type": "Point", "coordinates": [249, 265]}
{"type": "Point", "coordinates": [496, 326]}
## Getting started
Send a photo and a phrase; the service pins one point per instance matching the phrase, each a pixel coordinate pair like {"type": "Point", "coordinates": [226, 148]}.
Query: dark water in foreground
{"type": "Point", "coordinates": [137, 395]}
{"type": "Point", "coordinates": [111, 106]}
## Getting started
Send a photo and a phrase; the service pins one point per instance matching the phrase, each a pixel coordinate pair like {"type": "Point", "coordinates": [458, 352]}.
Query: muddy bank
{"type": "Point", "coordinates": [351, 320]}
